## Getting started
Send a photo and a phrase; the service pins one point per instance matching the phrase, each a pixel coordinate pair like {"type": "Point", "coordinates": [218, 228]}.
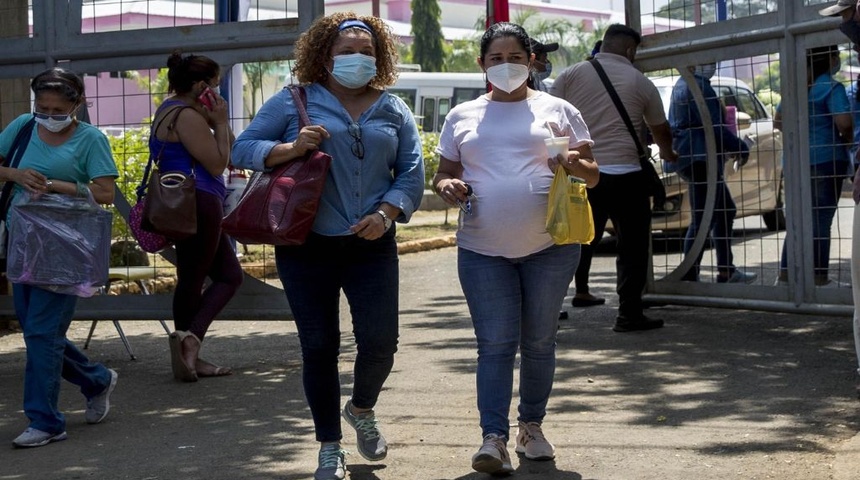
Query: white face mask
{"type": "Point", "coordinates": [216, 89]}
{"type": "Point", "coordinates": [54, 125]}
{"type": "Point", "coordinates": [508, 77]}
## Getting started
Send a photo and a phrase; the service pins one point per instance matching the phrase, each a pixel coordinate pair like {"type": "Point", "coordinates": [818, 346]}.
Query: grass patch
{"type": "Point", "coordinates": [421, 232]}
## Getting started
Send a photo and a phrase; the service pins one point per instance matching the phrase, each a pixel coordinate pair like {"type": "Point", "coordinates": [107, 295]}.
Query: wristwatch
{"type": "Point", "coordinates": [386, 222]}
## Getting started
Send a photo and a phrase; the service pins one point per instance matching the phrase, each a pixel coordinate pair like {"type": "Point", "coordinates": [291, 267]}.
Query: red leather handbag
{"type": "Point", "coordinates": [279, 207]}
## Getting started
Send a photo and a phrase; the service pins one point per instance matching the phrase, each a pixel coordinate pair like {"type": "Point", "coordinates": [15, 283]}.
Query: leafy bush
{"type": "Point", "coordinates": [429, 141]}
{"type": "Point", "coordinates": [131, 153]}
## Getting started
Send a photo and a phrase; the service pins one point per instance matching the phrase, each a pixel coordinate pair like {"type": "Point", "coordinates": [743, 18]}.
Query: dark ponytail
{"type": "Point", "coordinates": [184, 72]}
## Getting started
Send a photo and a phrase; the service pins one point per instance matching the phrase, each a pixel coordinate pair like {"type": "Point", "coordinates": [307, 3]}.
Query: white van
{"type": "Point", "coordinates": [431, 95]}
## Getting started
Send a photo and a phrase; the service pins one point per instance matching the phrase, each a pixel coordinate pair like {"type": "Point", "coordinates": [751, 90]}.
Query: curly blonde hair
{"type": "Point", "coordinates": [314, 46]}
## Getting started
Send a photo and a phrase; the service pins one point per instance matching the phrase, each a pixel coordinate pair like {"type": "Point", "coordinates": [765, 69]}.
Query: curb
{"type": "Point", "coordinates": [426, 244]}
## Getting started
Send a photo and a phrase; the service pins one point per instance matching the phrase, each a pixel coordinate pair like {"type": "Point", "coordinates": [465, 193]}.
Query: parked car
{"type": "Point", "coordinates": [757, 187]}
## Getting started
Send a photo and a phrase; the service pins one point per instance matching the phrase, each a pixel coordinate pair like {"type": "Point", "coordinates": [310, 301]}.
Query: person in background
{"type": "Point", "coordinates": [594, 51]}
{"type": "Point", "coordinates": [344, 63]}
{"type": "Point", "coordinates": [191, 134]}
{"type": "Point", "coordinates": [853, 93]}
{"type": "Point", "coordinates": [848, 10]}
{"type": "Point", "coordinates": [64, 156]}
{"type": "Point", "coordinates": [831, 136]}
{"type": "Point", "coordinates": [542, 67]}
{"type": "Point", "coordinates": [622, 194]}
{"type": "Point", "coordinates": [687, 127]}
{"type": "Point", "coordinates": [850, 13]}
{"type": "Point", "coordinates": [513, 276]}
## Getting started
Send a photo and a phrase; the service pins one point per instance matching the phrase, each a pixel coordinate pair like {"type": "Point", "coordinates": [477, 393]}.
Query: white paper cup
{"type": "Point", "coordinates": [557, 146]}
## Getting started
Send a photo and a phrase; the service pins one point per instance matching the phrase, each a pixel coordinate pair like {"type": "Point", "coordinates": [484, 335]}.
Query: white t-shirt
{"type": "Point", "coordinates": [501, 147]}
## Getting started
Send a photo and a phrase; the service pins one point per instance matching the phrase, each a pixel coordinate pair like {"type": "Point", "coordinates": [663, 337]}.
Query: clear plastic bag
{"type": "Point", "coordinates": [568, 216]}
{"type": "Point", "coordinates": [59, 242]}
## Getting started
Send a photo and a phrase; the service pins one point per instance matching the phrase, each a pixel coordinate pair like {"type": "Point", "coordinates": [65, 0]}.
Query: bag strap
{"type": "Point", "coordinates": [144, 182]}
{"type": "Point", "coordinates": [300, 97]}
{"type": "Point", "coordinates": [643, 157]}
{"type": "Point", "coordinates": [13, 158]}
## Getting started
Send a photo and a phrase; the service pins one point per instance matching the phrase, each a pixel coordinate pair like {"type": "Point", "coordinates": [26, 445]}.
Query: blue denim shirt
{"type": "Point", "coordinates": [687, 127]}
{"type": "Point", "coordinates": [392, 170]}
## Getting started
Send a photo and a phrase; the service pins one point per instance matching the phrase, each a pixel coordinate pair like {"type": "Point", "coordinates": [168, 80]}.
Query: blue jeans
{"type": "Point", "coordinates": [827, 180]}
{"type": "Point", "coordinates": [45, 318]}
{"type": "Point", "coordinates": [721, 222]}
{"type": "Point", "coordinates": [514, 302]}
{"type": "Point", "coordinates": [313, 275]}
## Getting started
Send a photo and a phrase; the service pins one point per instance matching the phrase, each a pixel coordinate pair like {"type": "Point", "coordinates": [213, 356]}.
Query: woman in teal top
{"type": "Point", "coordinates": [831, 134]}
{"type": "Point", "coordinates": [68, 157]}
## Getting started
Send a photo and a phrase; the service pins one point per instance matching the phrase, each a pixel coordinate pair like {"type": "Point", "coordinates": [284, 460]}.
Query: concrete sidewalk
{"type": "Point", "coordinates": [716, 394]}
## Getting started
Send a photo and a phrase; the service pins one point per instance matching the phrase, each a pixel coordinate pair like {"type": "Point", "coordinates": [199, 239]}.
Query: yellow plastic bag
{"type": "Point", "coordinates": [568, 216]}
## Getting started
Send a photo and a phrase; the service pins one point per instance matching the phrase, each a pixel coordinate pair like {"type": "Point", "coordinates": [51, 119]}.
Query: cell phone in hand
{"type": "Point", "coordinates": [207, 99]}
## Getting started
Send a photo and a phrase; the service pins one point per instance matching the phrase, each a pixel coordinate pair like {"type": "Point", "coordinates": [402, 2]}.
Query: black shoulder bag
{"type": "Point", "coordinates": [656, 189]}
{"type": "Point", "coordinates": [13, 158]}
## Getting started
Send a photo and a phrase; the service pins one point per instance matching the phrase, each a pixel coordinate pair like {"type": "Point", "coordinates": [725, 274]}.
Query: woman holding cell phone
{"type": "Point", "coordinates": [191, 134]}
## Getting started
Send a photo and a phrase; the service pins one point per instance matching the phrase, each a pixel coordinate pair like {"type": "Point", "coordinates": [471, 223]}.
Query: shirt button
{"type": "Point", "coordinates": [356, 195]}
{"type": "Point", "coordinates": [358, 172]}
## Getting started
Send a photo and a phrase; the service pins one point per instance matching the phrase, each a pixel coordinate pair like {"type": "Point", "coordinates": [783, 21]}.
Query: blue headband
{"type": "Point", "coordinates": [354, 23]}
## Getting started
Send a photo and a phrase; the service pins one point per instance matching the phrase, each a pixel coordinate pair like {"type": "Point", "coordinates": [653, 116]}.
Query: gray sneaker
{"type": "Point", "coordinates": [36, 438]}
{"type": "Point", "coordinates": [99, 406]}
{"type": "Point", "coordinates": [532, 443]}
{"type": "Point", "coordinates": [493, 456]}
{"type": "Point", "coordinates": [331, 463]}
{"type": "Point", "coordinates": [370, 442]}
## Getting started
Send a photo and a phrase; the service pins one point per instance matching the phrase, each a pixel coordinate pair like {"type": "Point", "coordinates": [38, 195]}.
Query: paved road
{"type": "Point", "coordinates": [716, 394]}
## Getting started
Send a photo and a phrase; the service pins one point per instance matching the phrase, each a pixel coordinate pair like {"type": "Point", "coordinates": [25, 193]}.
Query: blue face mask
{"type": "Point", "coordinates": [353, 70]}
{"type": "Point", "coordinates": [545, 74]}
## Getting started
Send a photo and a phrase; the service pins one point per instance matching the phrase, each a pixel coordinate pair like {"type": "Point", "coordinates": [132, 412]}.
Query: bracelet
{"type": "Point", "coordinates": [82, 190]}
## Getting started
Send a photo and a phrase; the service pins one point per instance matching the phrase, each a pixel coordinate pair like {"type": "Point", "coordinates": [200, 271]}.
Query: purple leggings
{"type": "Point", "coordinates": [207, 253]}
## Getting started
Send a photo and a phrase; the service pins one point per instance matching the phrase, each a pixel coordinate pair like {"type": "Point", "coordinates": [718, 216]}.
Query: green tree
{"type": "Point", "coordinates": [256, 74]}
{"type": "Point", "coordinates": [427, 37]}
{"type": "Point", "coordinates": [574, 40]}
{"type": "Point", "coordinates": [156, 86]}
{"type": "Point", "coordinates": [131, 154]}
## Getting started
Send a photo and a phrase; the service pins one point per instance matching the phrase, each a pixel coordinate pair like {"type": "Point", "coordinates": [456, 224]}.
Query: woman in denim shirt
{"type": "Point", "coordinates": [377, 176]}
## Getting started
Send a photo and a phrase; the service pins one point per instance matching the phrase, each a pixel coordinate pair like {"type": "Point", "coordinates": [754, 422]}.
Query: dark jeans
{"type": "Point", "coordinates": [827, 181]}
{"type": "Point", "coordinates": [624, 200]}
{"type": "Point", "coordinates": [313, 275]}
{"type": "Point", "coordinates": [207, 253]}
{"type": "Point", "coordinates": [721, 222]}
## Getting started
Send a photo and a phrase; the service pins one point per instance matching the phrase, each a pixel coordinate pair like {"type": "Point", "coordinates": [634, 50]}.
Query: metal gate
{"type": "Point", "coordinates": [747, 38]}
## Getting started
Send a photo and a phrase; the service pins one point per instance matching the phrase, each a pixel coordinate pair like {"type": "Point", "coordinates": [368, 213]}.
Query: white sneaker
{"type": "Point", "coordinates": [99, 406]}
{"type": "Point", "coordinates": [332, 465]}
{"type": "Point", "coordinates": [532, 442]}
{"type": "Point", "coordinates": [493, 456]}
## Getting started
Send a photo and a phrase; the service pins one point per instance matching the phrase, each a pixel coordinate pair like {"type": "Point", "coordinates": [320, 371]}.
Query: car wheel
{"type": "Point", "coordinates": [775, 219]}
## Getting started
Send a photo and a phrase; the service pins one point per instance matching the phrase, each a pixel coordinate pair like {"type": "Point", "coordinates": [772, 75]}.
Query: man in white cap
{"type": "Point", "coordinates": [848, 10]}
{"type": "Point", "coordinates": [542, 67]}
